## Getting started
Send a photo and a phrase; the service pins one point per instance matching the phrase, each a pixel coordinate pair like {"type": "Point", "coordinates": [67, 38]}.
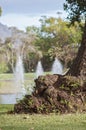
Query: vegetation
{"type": "Point", "coordinates": [10, 76]}
{"type": "Point", "coordinates": [77, 9]}
{"type": "Point", "coordinates": [53, 38]}
{"type": "Point", "coordinates": [40, 122]}
{"type": "Point", "coordinates": [4, 108]}
{"type": "Point", "coordinates": [43, 122]}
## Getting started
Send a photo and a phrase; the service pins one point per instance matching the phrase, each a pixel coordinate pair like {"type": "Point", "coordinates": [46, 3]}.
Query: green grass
{"type": "Point", "coordinates": [40, 122]}
{"type": "Point", "coordinates": [4, 108]}
{"type": "Point", "coordinates": [7, 76]}
{"type": "Point", "coordinates": [43, 122]}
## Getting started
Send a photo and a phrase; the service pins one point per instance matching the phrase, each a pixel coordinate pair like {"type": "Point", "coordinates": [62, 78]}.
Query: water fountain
{"type": "Point", "coordinates": [19, 74]}
{"type": "Point", "coordinates": [39, 69]}
{"type": "Point", "coordinates": [18, 83]}
{"type": "Point", "coordinates": [57, 67]}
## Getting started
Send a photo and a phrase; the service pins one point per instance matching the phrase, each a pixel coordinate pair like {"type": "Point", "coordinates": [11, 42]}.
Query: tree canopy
{"type": "Point", "coordinates": [76, 9]}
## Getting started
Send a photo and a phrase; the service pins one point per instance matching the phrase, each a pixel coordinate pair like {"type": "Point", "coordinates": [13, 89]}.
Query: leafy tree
{"type": "Point", "coordinates": [77, 9]}
{"type": "Point", "coordinates": [59, 33]}
{"type": "Point", "coordinates": [19, 44]}
{"type": "Point", "coordinates": [32, 30]}
{"type": "Point", "coordinates": [56, 37]}
{"type": "Point", "coordinates": [23, 45]}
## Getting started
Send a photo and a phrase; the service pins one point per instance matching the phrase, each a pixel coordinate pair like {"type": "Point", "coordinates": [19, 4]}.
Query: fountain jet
{"type": "Point", "coordinates": [39, 69]}
{"type": "Point", "coordinates": [19, 74]}
{"type": "Point", "coordinates": [57, 67]}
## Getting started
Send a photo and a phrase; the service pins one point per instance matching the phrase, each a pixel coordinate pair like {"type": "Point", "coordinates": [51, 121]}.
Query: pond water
{"type": "Point", "coordinates": [10, 98]}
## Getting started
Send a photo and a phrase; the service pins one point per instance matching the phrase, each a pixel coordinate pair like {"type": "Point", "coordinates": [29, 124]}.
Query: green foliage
{"type": "Point", "coordinates": [58, 39]}
{"type": "Point", "coordinates": [3, 67]}
{"type": "Point", "coordinates": [76, 9]}
{"type": "Point", "coordinates": [59, 33]}
{"type": "Point", "coordinates": [53, 38]}
{"type": "Point", "coordinates": [33, 30]}
{"type": "Point", "coordinates": [64, 101]}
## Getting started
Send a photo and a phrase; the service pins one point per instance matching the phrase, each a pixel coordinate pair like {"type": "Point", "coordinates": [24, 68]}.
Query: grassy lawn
{"type": "Point", "coordinates": [7, 76]}
{"type": "Point", "coordinates": [40, 122]}
{"type": "Point", "coordinates": [10, 76]}
{"type": "Point", "coordinates": [4, 108]}
{"type": "Point", "coordinates": [43, 122]}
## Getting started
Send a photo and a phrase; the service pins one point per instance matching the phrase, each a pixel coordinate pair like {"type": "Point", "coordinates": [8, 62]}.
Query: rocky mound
{"type": "Point", "coordinates": [54, 93]}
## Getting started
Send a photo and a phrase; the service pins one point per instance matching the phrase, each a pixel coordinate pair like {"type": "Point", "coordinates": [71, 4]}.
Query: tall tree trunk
{"type": "Point", "coordinates": [78, 67]}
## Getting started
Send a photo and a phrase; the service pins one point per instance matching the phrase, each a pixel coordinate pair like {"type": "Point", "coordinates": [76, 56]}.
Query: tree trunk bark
{"type": "Point", "coordinates": [78, 68]}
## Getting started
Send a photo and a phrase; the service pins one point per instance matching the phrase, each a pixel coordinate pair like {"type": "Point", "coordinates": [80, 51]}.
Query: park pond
{"type": "Point", "coordinates": [9, 92]}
